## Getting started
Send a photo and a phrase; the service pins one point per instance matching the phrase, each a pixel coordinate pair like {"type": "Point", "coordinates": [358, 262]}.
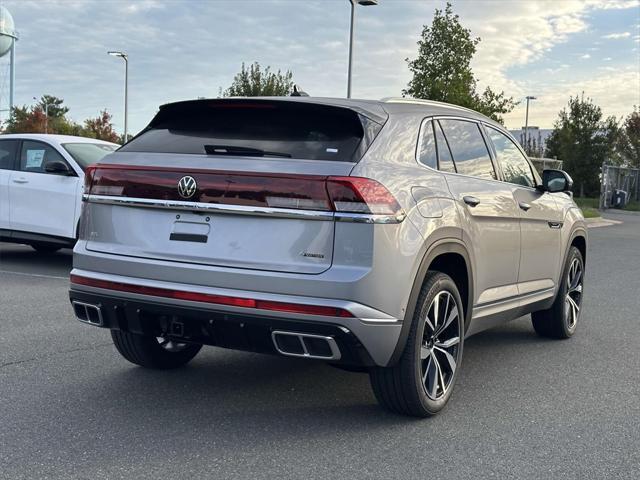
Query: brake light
{"type": "Point", "coordinates": [361, 195]}
{"type": "Point", "coordinates": [213, 299]}
{"type": "Point", "coordinates": [298, 192]}
{"type": "Point", "coordinates": [88, 178]}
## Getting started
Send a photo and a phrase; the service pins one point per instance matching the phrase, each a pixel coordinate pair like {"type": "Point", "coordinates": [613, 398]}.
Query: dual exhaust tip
{"type": "Point", "coordinates": [88, 313]}
{"type": "Point", "coordinates": [305, 345]}
{"type": "Point", "coordinates": [293, 344]}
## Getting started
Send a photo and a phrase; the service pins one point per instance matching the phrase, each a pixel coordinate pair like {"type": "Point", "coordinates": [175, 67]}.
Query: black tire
{"type": "Point", "coordinates": [45, 248]}
{"type": "Point", "coordinates": [560, 321]}
{"type": "Point", "coordinates": [148, 352]}
{"type": "Point", "coordinates": [401, 388]}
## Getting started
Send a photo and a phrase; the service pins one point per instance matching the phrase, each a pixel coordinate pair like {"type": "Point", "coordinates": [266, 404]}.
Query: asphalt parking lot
{"type": "Point", "coordinates": [524, 407]}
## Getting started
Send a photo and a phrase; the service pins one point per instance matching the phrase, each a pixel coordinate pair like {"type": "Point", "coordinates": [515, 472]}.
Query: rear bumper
{"type": "Point", "coordinates": [369, 338]}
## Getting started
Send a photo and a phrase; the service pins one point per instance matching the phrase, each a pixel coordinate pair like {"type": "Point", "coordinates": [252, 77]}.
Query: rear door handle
{"type": "Point", "coordinates": [20, 180]}
{"type": "Point", "coordinates": [471, 201]}
{"type": "Point", "coordinates": [524, 206]}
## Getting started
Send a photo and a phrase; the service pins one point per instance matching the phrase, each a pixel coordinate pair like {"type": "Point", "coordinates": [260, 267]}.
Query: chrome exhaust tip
{"type": "Point", "coordinates": [88, 313]}
{"type": "Point", "coordinates": [305, 345]}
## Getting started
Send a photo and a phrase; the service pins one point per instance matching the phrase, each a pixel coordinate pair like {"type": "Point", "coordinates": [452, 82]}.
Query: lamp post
{"type": "Point", "coordinates": [46, 115]}
{"type": "Point", "coordinates": [364, 3]}
{"type": "Point", "coordinates": [526, 125]}
{"type": "Point", "coordinates": [126, 87]}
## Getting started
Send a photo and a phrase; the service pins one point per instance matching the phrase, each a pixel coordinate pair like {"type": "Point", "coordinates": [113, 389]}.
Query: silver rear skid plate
{"type": "Point", "coordinates": [305, 345]}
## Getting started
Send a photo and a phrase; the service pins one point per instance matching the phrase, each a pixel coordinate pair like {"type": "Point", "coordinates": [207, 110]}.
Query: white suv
{"type": "Point", "coordinates": [41, 178]}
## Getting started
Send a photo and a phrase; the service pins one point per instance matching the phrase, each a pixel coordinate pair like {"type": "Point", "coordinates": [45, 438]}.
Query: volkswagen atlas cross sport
{"type": "Point", "coordinates": [374, 235]}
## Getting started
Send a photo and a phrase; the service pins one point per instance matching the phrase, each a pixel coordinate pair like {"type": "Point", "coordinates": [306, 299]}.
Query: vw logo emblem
{"type": "Point", "coordinates": [187, 186]}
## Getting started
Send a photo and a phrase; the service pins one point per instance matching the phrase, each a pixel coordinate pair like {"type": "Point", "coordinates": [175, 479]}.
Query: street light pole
{"type": "Point", "coordinates": [526, 125]}
{"type": "Point", "coordinates": [364, 3]}
{"type": "Point", "coordinates": [126, 89]}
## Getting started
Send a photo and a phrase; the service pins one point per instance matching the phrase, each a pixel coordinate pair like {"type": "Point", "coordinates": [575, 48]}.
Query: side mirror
{"type": "Point", "coordinates": [556, 181]}
{"type": "Point", "coordinates": [57, 167]}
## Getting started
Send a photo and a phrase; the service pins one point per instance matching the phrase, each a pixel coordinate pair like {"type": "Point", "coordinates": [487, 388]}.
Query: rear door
{"type": "Point", "coordinates": [8, 149]}
{"type": "Point", "coordinates": [228, 183]}
{"type": "Point", "coordinates": [42, 202]}
{"type": "Point", "coordinates": [487, 208]}
{"type": "Point", "coordinates": [540, 218]}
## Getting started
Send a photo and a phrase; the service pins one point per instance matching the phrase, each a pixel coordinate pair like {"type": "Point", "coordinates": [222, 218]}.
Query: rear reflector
{"type": "Point", "coordinates": [213, 299]}
{"type": "Point", "coordinates": [299, 192]}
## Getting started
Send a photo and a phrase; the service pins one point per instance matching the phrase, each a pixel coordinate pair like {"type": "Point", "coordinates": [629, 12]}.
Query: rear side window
{"type": "Point", "coordinates": [427, 152]}
{"type": "Point", "coordinates": [515, 167]}
{"type": "Point", "coordinates": [258, 128]}
{"type": "Point", "coordinates": [8, 154]}
{"type": "Point", "coordinates": [445, 159]}
{"type": "Point", "coordinates": [469, 151]}
{"type": "Point", "coordinates": [35, 155]}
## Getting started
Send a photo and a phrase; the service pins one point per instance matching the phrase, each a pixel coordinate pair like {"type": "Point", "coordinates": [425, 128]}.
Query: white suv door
{"type": "Point", "coordinates": [42, 202]}
{"type": "Point", "coordinates": [8, 150]}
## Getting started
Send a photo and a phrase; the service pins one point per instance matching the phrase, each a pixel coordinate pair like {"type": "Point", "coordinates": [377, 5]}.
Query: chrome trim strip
{"type": "Point", "coordinates": [243, 210]}
{"type": "Point", "coordinates": [333, 346]}
{"type": "Point", "coordinates": [369, 218]}
{"type": "Point", "coordinates": [514, 298]}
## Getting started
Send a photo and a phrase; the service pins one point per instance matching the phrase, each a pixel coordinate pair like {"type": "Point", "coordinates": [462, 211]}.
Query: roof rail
{"type": "Point", "coordinates": [419, 101]}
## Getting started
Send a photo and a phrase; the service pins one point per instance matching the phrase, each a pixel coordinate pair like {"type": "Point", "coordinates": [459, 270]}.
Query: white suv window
{"type": "Point", "coordinates": [515, 167]}
{"type": "Point", "coordinates": [469, 151]}
{"type": "Point", "coordinates": [35, 155]}
{"type": "Point", "coordinates": [7, 154]}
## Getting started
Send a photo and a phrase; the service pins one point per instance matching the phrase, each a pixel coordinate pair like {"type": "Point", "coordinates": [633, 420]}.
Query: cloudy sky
{"type": "Point", "coordinates": [186, 49]}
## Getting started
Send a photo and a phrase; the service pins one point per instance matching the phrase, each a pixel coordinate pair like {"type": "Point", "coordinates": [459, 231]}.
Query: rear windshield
{"type": "Point", "coordinates": [257, 129]}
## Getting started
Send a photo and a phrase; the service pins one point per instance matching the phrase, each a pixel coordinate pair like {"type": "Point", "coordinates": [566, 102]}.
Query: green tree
{"type": "Point", "coordinates": [629, 139]}
{"type": "Point", "coordinates": [48, 114]}
{"type": "Point", "coordinates": [583, 141]}
{"type": "Point", "coordinates": [101, 128]}
{"type": "Point", "coordinates": [442, 69]}
{"type": "Point", "coordinates": [254, 81]}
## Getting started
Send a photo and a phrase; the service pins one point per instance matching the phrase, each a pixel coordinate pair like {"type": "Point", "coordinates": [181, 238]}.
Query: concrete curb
{"type": "Point", "coordinates": [600, 222]}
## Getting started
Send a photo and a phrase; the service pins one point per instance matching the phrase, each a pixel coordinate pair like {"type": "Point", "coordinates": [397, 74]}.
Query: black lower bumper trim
{"type": "Point", "coordinates": [221, 329]}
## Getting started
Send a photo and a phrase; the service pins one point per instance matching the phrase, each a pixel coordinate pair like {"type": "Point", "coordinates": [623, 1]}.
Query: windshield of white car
{"type": "Point", "coordinates": [87, 153]}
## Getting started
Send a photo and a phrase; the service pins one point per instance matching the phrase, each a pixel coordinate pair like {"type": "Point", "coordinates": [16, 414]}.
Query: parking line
{"type": "Point", "coordinates": [34, 275]}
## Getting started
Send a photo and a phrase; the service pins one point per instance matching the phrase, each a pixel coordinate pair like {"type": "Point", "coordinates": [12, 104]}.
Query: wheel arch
{"type": "Point", "coordinates": [448, 256]}
{"type": "Point", "coordinates": [579, 240]}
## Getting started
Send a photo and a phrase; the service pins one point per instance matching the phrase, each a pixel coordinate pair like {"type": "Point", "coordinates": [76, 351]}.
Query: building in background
{"type": "Point", "coordinates": [536, 139]}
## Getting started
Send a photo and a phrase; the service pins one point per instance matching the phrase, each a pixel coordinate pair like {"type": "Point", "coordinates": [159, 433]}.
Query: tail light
{"type": "Point", "coordinates": [212, 298]}
{"type": "Point", "coordinates": [300, 192]}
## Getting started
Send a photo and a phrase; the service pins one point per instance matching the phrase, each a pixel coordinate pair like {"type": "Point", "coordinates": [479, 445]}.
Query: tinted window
{"type": "Point", "coordinates": [468, 148]}
{"type": "Point", "coordinates": [35, 155]}
{"type": "Point", "coordinates": [288, 129]}
{"type": "Point", "coordinates": [445, 159]}
{"type": "Point", "coordinates": [427, 152]}
{"type": "Point", "coordinates": [87, 153]}
{"type": "Point", "coordinates": [514, 165]}
{"type": "Point", "coordinates": [8, 154]}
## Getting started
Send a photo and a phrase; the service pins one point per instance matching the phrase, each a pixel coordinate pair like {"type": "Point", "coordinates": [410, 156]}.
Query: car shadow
{"type": "Point", "coordinates": [235, 391]}
{"type": "Point", "coordinates": [23, 258]}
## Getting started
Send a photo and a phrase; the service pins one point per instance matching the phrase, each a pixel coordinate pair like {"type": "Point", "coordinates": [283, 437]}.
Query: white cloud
{"type": "Point", "coordinates": [616, 36]}
{"type": "Point", "coordinates": [614, 101]}
{"type": "Point", "coordinates": [586, 56]}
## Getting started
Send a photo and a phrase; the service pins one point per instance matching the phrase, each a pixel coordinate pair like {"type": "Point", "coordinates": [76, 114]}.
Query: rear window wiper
{"type": "Point", "coordinates": [234, 150]}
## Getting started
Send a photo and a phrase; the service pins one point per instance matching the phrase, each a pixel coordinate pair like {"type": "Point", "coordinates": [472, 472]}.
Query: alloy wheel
{"type": "Point", "coordinates": [573, 299]}
{"type": "Point", "coordinates": [440, 348]}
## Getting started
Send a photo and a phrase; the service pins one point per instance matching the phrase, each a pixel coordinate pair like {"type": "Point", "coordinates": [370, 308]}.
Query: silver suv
{"type": "Point", "coordinates": [374, 235]}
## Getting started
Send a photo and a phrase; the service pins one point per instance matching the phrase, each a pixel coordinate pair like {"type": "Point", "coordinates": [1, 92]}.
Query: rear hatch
{"type": "Point", "coordinates": [243, 183]}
